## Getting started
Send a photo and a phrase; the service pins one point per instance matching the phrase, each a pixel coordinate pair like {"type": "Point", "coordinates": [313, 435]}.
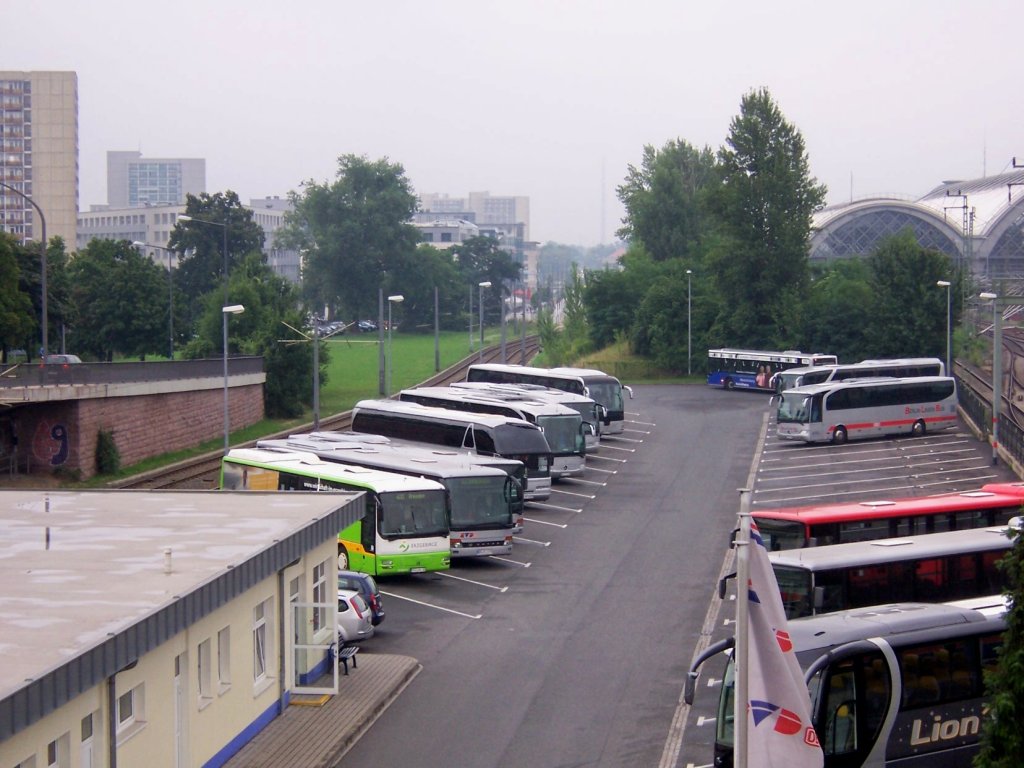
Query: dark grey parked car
{"type": "Point", "coordinates": [364, 584]}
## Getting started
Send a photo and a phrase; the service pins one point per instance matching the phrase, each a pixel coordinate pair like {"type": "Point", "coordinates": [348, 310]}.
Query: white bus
{"type": "Point", "coordinates": [597, 385]}
{"type": "Point", "coordinates": [901, 368]}
{"type": "Point", "coordinates": [860, 408]}
{"type": "Point", "coordinates": [563, 427]}
{"type": "Point", "coordinates": [480, 516]}
{"type": "Point", "coordinates": [590, 411]}
{"type": "Point", "coordinates": [480, 433]}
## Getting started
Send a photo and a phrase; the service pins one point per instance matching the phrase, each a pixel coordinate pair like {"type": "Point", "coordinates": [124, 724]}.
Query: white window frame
{"type": "Point", "coordinates": [129, 726]}
{"type": "Point", "coordinates": [319, 594]}
{"type": "Point", "coordinates": [204, 668]}
{"type": "Point", "coordinates": [263, 645]}
{"type": "Point", "coordinates": [223, 660]}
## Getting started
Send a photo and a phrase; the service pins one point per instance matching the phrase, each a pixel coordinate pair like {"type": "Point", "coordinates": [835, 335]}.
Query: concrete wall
{"type": "Point", "coordinates": [61, 435]}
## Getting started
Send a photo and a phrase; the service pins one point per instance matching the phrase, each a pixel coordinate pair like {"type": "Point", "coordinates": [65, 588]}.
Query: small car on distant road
{"type": "Point", "coordinates": [366, 326]}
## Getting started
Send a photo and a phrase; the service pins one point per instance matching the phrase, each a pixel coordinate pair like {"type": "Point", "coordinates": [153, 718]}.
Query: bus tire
{"type": "Point", "coordinates": [728, 384]}
{"type": "Point", "coordinates": [839, 435]}
{"type": "Point", "coordinates": [918, 429]}
{"type": "Point", "coordinates": [342, 558]}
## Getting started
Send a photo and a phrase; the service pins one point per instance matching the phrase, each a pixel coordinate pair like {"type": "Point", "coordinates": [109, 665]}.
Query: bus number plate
{"type": "Point", "coordinates": [417, 570]}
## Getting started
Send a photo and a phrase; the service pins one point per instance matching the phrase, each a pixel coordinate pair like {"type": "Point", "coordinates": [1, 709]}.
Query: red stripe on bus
{"type": "Point", "coordinates": [896, 423]}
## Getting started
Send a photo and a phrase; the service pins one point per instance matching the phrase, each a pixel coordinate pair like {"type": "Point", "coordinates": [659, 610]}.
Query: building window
{"type": "Point", "coordinates": [446, 237]}
{"type": "Point", "coordinates": [58, 752]}
{"type": "Point", "coordinates": [131, 712]}
{"type": "Point", "coordinates": [319, 595]}
{"type": "Point", "coordinates": [205, 672]}
{"type": "Point", "coordinates": [262, 637]}
{"type": "Point", "coordinates": [224, 659]}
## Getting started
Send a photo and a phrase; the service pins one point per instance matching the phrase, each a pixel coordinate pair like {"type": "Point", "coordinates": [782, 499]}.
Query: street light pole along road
{"type": "Point", "coordinates": [44, 312]}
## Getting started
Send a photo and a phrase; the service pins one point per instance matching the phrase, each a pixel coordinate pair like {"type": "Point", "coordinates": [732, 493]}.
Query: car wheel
{"type": "Point", "coordinates": [342, 558]}
{"type": "Point", "coordinates": [839, 435]}
{"type": "Point", "coordinates": [918, 429]}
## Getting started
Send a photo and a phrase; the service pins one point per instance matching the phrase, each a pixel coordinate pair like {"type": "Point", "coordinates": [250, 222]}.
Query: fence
{"type": "Point", "coordinates": [35, 374]}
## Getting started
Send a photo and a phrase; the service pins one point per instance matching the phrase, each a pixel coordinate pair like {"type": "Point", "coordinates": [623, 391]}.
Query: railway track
{"type": "Point", "coordinates": [202, 472]}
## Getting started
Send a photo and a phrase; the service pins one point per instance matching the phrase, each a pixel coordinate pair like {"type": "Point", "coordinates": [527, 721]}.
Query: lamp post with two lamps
{"type": "Point", "coordinates": [392, 300]}
{"type": "Point", "coordinates": [997, 370]}
{"type": "Point", "coordinates": [170, 293]}
{"type": "Point", "coordinates": [484, 284]}
{"type": "Point", "coordinates": [232, 309]}
{"type": "Point", "coordinates": [223, 225]}
{"type": "Point", "coordinates": [42, 267]}
{"type": "Point", "coordinates": [949, 338]}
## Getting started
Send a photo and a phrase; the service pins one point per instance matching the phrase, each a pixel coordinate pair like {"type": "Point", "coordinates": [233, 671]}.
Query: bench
{"type": "Point", "coordinates": [345, 653]}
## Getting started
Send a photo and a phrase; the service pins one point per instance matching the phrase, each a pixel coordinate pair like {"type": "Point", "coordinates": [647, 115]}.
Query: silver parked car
{"type": "Point", "coordinates": [354, 617]}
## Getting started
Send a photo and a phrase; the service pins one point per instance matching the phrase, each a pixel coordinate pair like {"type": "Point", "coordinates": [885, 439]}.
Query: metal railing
{"type": "Point", "coordinates": [38, 375]}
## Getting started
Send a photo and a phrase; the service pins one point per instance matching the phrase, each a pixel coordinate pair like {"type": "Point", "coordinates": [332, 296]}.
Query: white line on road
{"type": "Point", "coordinates": [639, 432]}
{"type": "Point", "coordinates": [645, 423]}
{"type": "Point", "coordinates": [623, 439]}
{"type": "Point", "coordinates": [585, 482]}
{"type": "Point", "coordinates": [616, 448]}
{"type": "Point", "coordinates": [609, 458]}
{"type": "Point", "coordinates": [533, 521]}
{"type": "Point", "coordinates": [431, 605]}
{"type": "Point", "coordinates": [606, 471]}
{"type": "Point", "coordinates": [450, 575]}
{"type": "Point", "coordinates": [513, 562]}
{"type": "Point", "coordinates": [521, 540]}
{"type": "Point", "coordinates": [555, 506]}
{"type": "Point", "coordinates": [573, 493]}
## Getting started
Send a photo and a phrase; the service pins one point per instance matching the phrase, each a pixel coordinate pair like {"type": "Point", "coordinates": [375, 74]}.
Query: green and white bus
{"type": "Point", "coordinates": [405, 527]}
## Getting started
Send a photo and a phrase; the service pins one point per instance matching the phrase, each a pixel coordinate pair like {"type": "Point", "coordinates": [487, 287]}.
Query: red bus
{"type": "Point", "coordinates": [824, 524]}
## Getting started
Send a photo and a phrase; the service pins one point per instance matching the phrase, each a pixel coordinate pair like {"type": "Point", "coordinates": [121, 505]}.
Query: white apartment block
{"type": "Point", "coordinates": [162, 629]}
{"type": "Point", "coordinates": [39, 154]}
{"type": "Point", "coordinates": [134, 180]}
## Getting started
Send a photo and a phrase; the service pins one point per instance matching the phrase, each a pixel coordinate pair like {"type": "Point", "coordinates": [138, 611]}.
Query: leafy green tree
{"type": "Point", "coordinates": [908, 310]}
{"type": "Point", "coordinates": [839, 307]}
{"type": "Point", "coordinates": [16, 323]}
{"type": "Point", "coordinates": [763, 208]}
{"type": "Point", "coordinates": [201, 268]}
{"type": "Point", "coordinates": [118, 298]}
{"type": "Point", "coordinates": [356, 234]}
{"type": "Point", "coordinates": [612, 296]}
{"type": "Point", "coordinates": [1002, 733]}
{"type": "Point", "coordinates": [664, 199]}
{"type": "Point", "coordinates": [426, 269]}
{"type": "Point", "coordinates": [481, 259]}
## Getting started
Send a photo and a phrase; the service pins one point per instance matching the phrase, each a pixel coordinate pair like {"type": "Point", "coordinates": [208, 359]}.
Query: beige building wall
{"type": "Point", "coordinates": [211, 719]}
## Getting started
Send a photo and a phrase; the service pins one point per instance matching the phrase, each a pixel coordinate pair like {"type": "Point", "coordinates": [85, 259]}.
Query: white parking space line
{"type": "Point", "coordinates": [511, 562]}
{"type": "Point", "coordinates": [702, 720]}
{"type": "Point", "coordinates": [606, 447]}
{"type": "Point", "coordinates": [645, 423]}
{"type": "Point", "coordinates": [431, 605]}
{"type": "Point", "coordinates": [638, 431]}
{"type": "Point", "coordinates": [555, 506]}
{"type": "Point", "coordinates": [885, 458]}
{"type": "Point", "coordinates": [573, 493]}
{"type": "Point", "coordinates": [532, 521]}
{"type": "Point", "coordinates": [533, 542]}
{"type": "Point", "coordinates": [617, 438]}
{"type": "Point", "coordinates": [450, 575]}
{"type": "Point", "coordinates": [583, 481]}
{"type": "Point", "coordinates": [818, 496]}
{"type": "Point", "coordinates": [606, 471]}
{"type": "Point", "coordinates": [608, 458]}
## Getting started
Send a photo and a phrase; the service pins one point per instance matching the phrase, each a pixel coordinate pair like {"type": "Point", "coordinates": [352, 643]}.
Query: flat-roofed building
{"type": "Point", "coordinates": [134, 180]}
{"type": "Point", "coordinates": [161, 628]}
{"type": "Point", "coordinates": [39, 153]}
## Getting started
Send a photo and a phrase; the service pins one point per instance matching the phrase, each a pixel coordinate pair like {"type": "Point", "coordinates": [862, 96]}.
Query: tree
{"type": "Point", "coordinates": [201, 268]}
{"type": "Point", "coordinates": [839, 308]}
{"type": "Point", "coordinates": [908, 311]}
{"type": "Point", "coordinates": [664, 199]}
{"type": "Point", "coordinates": [481, 259]}
{"type": "Point", "coordinates": [1002, 737]}
{"type": "Point", "coordinates": [119, 302]}
{"type": "Point", "coordinates": [16, 323]}
{"type": "Point", "coordinates": [426, 269]}
{"type": "Point", "coordinates": [356, 232]}
{"type": "Point", "coordinates": [763, 208]}
{"type": "Point", "coordinates": [613, 295]}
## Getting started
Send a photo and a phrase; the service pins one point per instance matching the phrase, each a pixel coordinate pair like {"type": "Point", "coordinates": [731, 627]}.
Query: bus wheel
{"type": "Point", "coordinates": [728, 383]}
{"type": "Point", "coordinates": [839, 435]}
{"type": "Point", "coordinates": [342, 558]}
{"type": "Point", "coordinates": [918, 429]}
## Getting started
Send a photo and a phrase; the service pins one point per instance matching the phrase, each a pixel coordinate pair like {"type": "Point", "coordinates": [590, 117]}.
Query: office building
{"type": "Point", "coordinates": [134, 180]}
{"type": "Point", "coordinates": [39, 154]}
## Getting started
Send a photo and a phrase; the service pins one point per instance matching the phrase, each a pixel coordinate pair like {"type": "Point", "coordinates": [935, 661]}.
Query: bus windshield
{"type": "Point", "coordinates": [795, 409]}
{"type": "Point", "coordinates": [781, 534]}
{"type": "Point", "coordinates": [513, 439]}
{"type": "Point", "coordinates": [795, 587]}
{"type": "Point", "coordinates": [479, 502]}
{"type": "Point", "coordinates": [420, 513]}
{"type": "Point", "coordinates": [562, 433]}
{"type": "Point", "coordinates": [606, 392]}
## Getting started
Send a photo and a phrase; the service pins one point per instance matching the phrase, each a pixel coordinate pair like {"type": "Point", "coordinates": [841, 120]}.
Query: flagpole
{"type": "Point", "coordinates": [741, 652]}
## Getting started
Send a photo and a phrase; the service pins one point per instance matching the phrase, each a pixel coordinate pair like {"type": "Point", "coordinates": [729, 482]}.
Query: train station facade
{"type": "Point", "coordinates": [977, 222]}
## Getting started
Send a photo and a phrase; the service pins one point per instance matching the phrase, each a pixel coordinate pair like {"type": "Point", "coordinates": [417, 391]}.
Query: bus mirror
{"type": "Point", "coordinates": [690, 687]}
{"type": "Point", "coordinates": [721, 584]}
{"type": "Point", "coordinates": [819, 598]}
{"type": "Point", "coordinates": [628, 389]}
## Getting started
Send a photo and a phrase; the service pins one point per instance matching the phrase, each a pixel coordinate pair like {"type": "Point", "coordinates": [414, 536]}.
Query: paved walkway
{"type": "Point", "coordinates": [312, 736]}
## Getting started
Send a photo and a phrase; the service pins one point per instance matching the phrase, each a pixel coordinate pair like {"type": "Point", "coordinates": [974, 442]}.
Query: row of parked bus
{"type": "Point", "coordinates": [446, 470]}
{"type": "Point", "coordinates": [896, 606]}
{"type": "Point", "coordinates": [820, 400]}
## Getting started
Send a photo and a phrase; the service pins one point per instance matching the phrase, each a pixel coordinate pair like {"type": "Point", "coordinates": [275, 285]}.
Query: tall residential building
{"type": "Point", "coordinates": [134, 180]}
{"type": "Point", "coordinates": [39, 153]}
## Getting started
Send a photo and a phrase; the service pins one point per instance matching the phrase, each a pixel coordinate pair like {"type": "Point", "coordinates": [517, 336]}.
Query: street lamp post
{"type": "Point", "coordinates": [170, 294]}
{"type": "Point", "coordinates": [42, 267]}
{"type": "Point", "coordinates": [233, 309]}
{"type": "Point", "coordinates": [997, 370]}
{"type": "Point", "coordinates": [689, 335]}
{"type": "Point", "coordinates": [392, 300]}
{"type": "Point", "coordinates": [949, 338]}
{"type": "Point", "coordinates": [223, 225]}
{"type": "Point", "coordinates": [484, 284]}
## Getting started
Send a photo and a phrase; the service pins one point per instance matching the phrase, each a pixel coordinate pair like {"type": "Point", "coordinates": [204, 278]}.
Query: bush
{"type": "Point", "coordinates": [108, 458]}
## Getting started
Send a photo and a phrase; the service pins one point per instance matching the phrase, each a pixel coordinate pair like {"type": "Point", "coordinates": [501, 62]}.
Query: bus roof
{"type": "Point", "coordinates": [388, 458]}
{"type": "Point", "coordinates": [371, 441]}
{"type": "Point", "coordinates": [520, 401]}
{"type": "Point", "coordinates": [441, 414]}
{"type": "Point", "coordinates": [903, 361]}
{"type": "Point", "coordinates": [561, 372]}
{"type": "Point", "coordinates": [532, 390]}
{"type": "Point", "coordinates": [784, 356]}
{"type": "Point", "coordinates": [878, 551]}
{"type": "Point", "coordinates": [828, 386]}
{"type": "Point", "coordinates": [879, 508]}
{"type": "Point", "coordinates": [309, 465]}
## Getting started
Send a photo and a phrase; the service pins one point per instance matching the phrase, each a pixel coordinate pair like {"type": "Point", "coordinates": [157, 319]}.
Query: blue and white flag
{"type": "Point", "coordinates": [779, 730]}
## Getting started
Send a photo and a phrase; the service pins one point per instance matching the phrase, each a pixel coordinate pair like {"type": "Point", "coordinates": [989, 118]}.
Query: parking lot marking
{"type": "Point", "coordinates": [555, 506]}
{"type": "Point", "coordinates": [608, 458]}
{"type": "Point", "coordinates": [585, 482]}
{"type": "Point", "coordinates": [606, 471]}
{"type": "Point", "coordinates": [617, 438]}
{"type": "Point", "coordinates": [702, 720]}
{"type": "Point", "coordinates": [645, 423]}
{"type": "Point", "coordinates": [638, 431]}
{"type": "Point", "coordinates": [534, 521]}
{"type": "Point", "coordinates": [450, 575]}
{"type": "Point", "coordinates": [616, 448]}
{"type": "Point", "coordinates": [431, 605]}
{"type": "Point", "coordinates": [512, 562]}
{"type": "Point", "coordinates": [573, 493]}
{"type": "Point", "coordinates": [521, 540]}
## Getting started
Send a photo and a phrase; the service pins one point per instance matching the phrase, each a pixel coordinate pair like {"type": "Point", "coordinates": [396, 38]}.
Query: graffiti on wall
{"type": "Point", "coordinates": [50, 443]}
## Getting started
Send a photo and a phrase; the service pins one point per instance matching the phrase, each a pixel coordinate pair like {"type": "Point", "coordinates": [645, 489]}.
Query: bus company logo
{"type": "Point", "coordinates": [912, 410]}
{"type": "Point", "coordinates": [405, 546]}
{"type": "Point", "coordinates": [944, 730]}
{"type": "Point", "coordinates": [785, 722]}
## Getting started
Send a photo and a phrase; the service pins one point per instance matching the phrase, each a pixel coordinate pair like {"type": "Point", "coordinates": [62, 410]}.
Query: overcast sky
{"type": "Point", "coordinates": [552, 100]}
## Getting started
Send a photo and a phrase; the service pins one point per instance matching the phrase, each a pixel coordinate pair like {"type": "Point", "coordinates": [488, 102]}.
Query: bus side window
{"type": "Point", "coordinates": [368, 529]}
{"type": "Point", "coordinates": [840, 713]}
{"type": "Point", "coordinates": [484, 443]}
